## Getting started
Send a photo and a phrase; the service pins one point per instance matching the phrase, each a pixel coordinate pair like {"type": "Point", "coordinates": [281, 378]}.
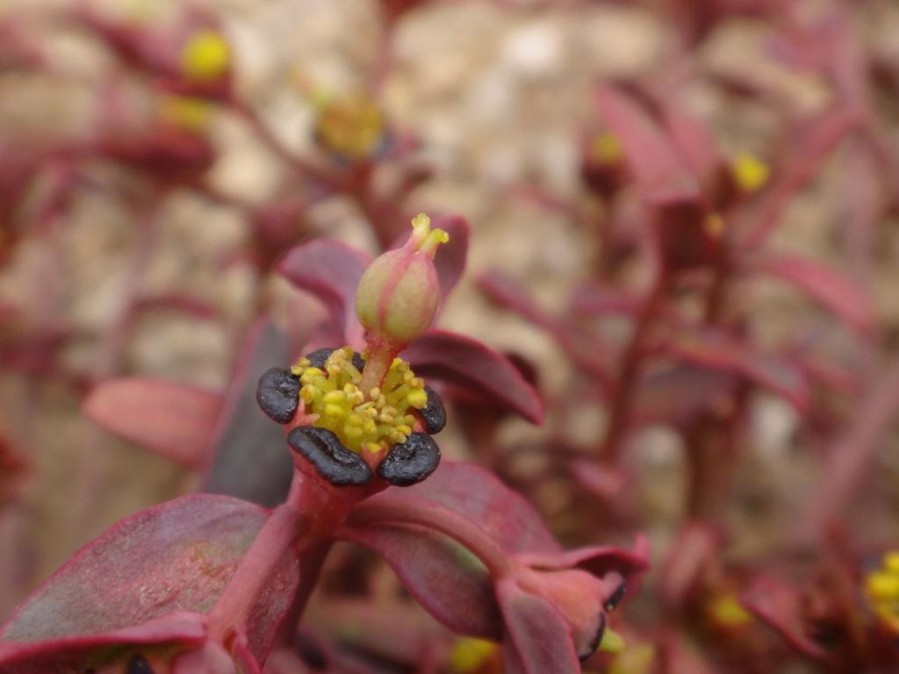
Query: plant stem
{"type": "Point", "coordinates": [629, 374]}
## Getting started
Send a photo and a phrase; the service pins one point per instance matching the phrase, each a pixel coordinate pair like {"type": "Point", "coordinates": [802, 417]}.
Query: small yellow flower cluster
{"type": "Point", "coordinates": [206, 56]}
{"type": "Point", "coordinates": [750, 172]}
{"type": "Point", "coordinates": [882, 589]}
{"type": "Point", "coordinates": [470, 654]}
{"type": "Point", "coordinates": [374, 421]}
{"type": "Point", "coordinates": [351, 125]}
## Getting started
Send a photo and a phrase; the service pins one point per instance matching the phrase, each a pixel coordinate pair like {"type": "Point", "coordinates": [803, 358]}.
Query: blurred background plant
{"type": "Point", "coordinates": [683, 231]}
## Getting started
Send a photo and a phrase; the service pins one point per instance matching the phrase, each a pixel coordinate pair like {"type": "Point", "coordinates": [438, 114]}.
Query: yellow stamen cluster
{"type": "Point", "coordinates": [882, 589]}
{"type": "Point", "coordinates": [351, 125]}
{"type": "Point", "coordinates": [206, 56]}
{"type": "Point", "coordinates": [188, 113]}
{"type": "Point", "coordinates": [605, 149]}
{"type": "Point", "coordinates": [373, 421]}
{"type": "Point", "coordinates": [472, 655]}
{"type": "Point", "coordinates": [750, 172]}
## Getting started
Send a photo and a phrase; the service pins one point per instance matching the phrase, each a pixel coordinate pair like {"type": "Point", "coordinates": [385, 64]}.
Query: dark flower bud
{"type": "Point", "coordinates": [278, 394]}
{"type": "Point", "coordinates": [411, 461]}
{"type": "Point", "coordinates": [334, 462]}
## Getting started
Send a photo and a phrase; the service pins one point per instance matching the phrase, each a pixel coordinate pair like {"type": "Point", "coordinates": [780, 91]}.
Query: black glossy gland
{"type": "Point", "coordinates": [433, 413]}
{"type": "Point", "coordinates": [331, 459]}
{"type": "Point", "coordinates": [410, 462]}
{"type": "Point", "coordinates": [139, 665]}
{"type": "Point", "coordinates": [597, 639]}
{"type": "Point", "coordinates": [616, 597]}
{"type": "Point", "coordinates": [278, 394]}
{"type": "Point", "coordinates": [319, 357]}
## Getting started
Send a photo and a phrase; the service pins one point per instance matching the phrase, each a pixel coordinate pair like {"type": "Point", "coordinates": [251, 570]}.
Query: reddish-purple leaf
{"type": "Point", "coordinates": [451, 256]}
{"type": "Point", "coordinates": [832, 289]}
{"type": "Point", "coordinates": [444, 577]}
{"type": "Point", "coordinates": [171, 419]}
{"type": "Point", "coordinates": [479, 496]}
{"type": "Point", "coordinates": [538, 639]}
{"type": "Point", "coordinates": [660, 173]}
{"type": "Point", "coordinates": [717, 351]}
{"type": "Point", "coordinates": [175, 557]}
{"type": "Point", "coordinates": [594, 357]}
{"type": "Point", "coordinates": [331, 271]}
{"type": "Point", "coordinates": [467, 363]}
{"type": "Point", "coordinates": [679, 393]}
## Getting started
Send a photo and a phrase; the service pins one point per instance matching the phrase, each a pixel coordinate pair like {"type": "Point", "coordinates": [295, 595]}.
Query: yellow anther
{"type": "Point", "coordinates": [417, 399]}
{"type": "Point", "coordinates": [606, 149]}
{"type": "Point", "coordinates": [612, 642]}
{"type": "Point", "coordinates": [206, 56]}
{"type": "Point", "coordinates": [882, 590]}
{"type": "Point", "coordinates": [882, 586]}
{"type": "Point", "coordinates": [373, 423]}
{"type": "Point", "coordinates": [351, 125]}
{"type": "Point", "coordinates": [727, 610]}
{"type": "Point", "coordinates": [470, 654]}
{"type": "Point", "coordinates": [750, 172]}
{"type": "Point", "coordinates": [191, 114]}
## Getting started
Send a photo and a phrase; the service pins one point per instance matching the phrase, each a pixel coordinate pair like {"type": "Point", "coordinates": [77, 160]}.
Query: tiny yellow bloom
{"type": "Point", "coordinates": [470, 654]}
{"type": "Point", "coordinates": [750, 172]}
{"type": "Point", "coordinates": [190, 114]}
{"type": "Point", "coordinates": [606, 149]}
{"type": "Point", "coordinates": [206, 56]}
{"type": "Point", "coordinates": [882, 590]}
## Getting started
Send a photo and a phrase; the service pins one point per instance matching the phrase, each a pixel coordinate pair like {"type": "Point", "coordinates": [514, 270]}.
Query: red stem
{"type": "Point", "coordinates": [629, 374]}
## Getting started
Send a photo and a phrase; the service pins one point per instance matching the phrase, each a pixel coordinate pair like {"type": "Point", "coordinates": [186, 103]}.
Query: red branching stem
{"type": "Point", "coordinates": [231, 612]}
{"type": "Point", "coordinates": [629, 374]}
{"type": "Point", "coordinates": [444, 521]}
{"type": "Point", "coordinates": [274, 144]}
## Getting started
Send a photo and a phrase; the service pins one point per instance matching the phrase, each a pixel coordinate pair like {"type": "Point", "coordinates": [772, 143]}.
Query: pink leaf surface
{"type": "Point", "coordinates": [175, 557]}
{"type": "Point", "coordinates": [166, 417]}
{"type": "Point", "coordinates": [467, 363]}
{"type": "Point", "coordinates": [829, 287]}
{"type": "Point", "coordinates": [476, 494]}
{"type": "Point", "coordinates": [443, 576]}
{"type": "Point", "coordinates": [331, 271]}
{"type": "Point", "coordinates": [660, 172]}
{"type": "Point", "coordinates": [718, 351]}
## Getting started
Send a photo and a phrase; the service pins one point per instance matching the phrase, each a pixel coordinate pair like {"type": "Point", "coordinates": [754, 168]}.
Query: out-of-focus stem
{"type": "Point", "coordinates": [629, 374]}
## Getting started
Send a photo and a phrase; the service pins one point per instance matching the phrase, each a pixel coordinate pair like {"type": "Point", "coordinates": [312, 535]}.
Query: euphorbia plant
{"type": "Point", "coordinates": [214, 584]}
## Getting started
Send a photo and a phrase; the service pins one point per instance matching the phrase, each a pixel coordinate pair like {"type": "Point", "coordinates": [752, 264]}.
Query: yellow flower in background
{"type": "Point", "coordinates": [882, 590]}
{"type": "Point", "coordinates": [206, 56]}
{"type": "Point", "coordinates": [750, 172]}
